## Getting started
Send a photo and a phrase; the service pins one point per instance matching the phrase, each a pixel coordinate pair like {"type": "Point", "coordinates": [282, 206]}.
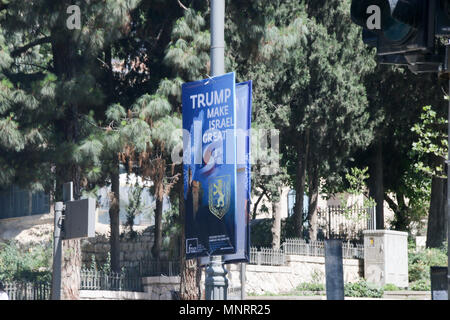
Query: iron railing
{"type": "Point", "coordinates": [130, 279]}
{"type": "Point", "coordinates": [337, 222]}
{"type": "Point", "coordinates": [110, 281]}
{"type": "Point", "coordinates": [28, 290]}
{"type": "Point", "coordinates": [153, 268]}
{"type": "Point", "coordinates": [267, 256]}
{"type": "Point", "coordinates": [297, 246]}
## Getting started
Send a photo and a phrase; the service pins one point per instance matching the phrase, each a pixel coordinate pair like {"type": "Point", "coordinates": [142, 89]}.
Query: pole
{"type": "Point", "coordinates": [447, 72]}
{"type": "Point", "coordinates": [448, 184]}
{"type": "Point", "coordinates": [57, 252]}
{"type": "Point", "coordinates": [217, 37]}
{"type": "Point", "coordinates": [216, 283]}
{"type": "Point", "coordinates": [243, 268]}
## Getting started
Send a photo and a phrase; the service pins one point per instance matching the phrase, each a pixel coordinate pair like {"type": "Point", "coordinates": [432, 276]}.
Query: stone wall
{"type": "Point", "coordinates": [298, 269]}
{"type": "Point", "coordinates": [131, 250]}
{"type": "Point", "coordinates": [113, 295]}
{"type": "Point", "coordinates": [160, 288]}
{"type": "Point", "coordinates": [29, 229]}
{"type": "Point", "coordinates": [259, 279]}
{"type": "Point", "coordinates": [155, 288]}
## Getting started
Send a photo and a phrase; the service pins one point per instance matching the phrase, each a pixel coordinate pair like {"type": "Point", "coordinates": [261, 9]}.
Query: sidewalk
{"type": "Point", "coordinates": [388, 295]}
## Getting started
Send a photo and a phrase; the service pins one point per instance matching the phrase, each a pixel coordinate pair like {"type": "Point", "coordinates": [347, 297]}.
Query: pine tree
{"type": "Point", "coordinates": [147, 130]}
{"type": "Point", "coordinates": [57, 67]}
{"type": "Point", "coordinates": [400, 184]}
{"type": "Point", "coordinates": [309, 70]}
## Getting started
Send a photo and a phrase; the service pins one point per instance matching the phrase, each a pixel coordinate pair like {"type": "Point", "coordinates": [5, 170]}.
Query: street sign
{"type": "Point", "coordinates": [79, 221]}
{"type": "Point", "coordinates": [209, 158]}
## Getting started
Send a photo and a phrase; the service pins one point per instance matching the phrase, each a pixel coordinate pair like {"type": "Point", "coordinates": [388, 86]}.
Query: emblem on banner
{"type": "Point", "coordinates": [219, 195]}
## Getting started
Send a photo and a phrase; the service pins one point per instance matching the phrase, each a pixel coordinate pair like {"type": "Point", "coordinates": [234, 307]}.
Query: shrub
{"type": "Point", "coordinates": [25, 263]}
{"type": "Point", "coordinates": [420, 285]}
{"type": "Point", "coordinates": [310, 286]}
{"type": "Point", "coordinates": [261, 233]}
{"type": "Point", "coordinates": [419, 263]}
{"type": "Point", "coordinates": [390, 287]}
{"type": "Point", "coordinates": [362, 289]}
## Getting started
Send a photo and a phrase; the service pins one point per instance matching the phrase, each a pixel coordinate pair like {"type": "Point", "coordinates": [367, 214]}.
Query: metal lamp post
{"type": "Point", "coordinates": [216, 283]}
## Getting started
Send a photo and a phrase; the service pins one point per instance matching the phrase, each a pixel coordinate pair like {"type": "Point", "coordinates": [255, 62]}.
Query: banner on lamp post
{"type": "Point", "coordinates": [243, 186]}
{"type": "Point", "coordinates": [210, 166]}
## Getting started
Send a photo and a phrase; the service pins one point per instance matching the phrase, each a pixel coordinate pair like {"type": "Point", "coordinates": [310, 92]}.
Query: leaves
{"type": "Point", "coordinates": [116, 112]}
{"type": "Point", "coordinates": [431, 141]}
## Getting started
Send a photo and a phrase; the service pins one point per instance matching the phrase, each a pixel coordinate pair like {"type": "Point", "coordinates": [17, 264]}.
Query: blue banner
{"type": "Point", "coordinates": [209, 165]}
{"type": "Point", "coordinates": [243, 126]}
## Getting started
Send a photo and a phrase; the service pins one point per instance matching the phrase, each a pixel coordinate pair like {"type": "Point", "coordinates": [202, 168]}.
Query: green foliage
{"type": "Point", "coordinates": [171, 231]}
{"type": "Point", "coordinates": [25, 263]}
{"type": "Point", "coordinates": [356, 180]}
{"type": "Point", "coordinates": [261, 232]}
{"type": "Point", "coordinates": [133, 208]}
{"type": "Point", "coordinates": [54, 91]}
{"type": "Point", "coordinates": [420, 285]}
{"type": "Point", "coordinates": [419, 263]}
{"type": "Point", "coordinates": [390, 287]}
{"type": "Point", "coordinates": [310, 286]}
{"type": "Point", "coordinates": [106, 267]}
{"type": "Point", "coordinates": [357, 289]}
{"type": "Point", "coordinates": [431, 140]}
{"type": "Point", "coordinates": [362, 288]}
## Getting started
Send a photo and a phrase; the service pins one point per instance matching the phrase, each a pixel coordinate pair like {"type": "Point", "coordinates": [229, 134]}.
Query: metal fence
{"type": "Point", "coordinates": [345, 223]}
{"type": "Point", "coordinates": [152, 268]}
{"type": "Point", "coordinates": [111, 281]}
{"type": "Point", "coordinates": [234, 293]}
{"type": "Point", "coordinates": [302, 248]}
{"type": "Point", "coordinates": [28, 290]}
{"type": "Point", "coordinates": [130, 279]}
{"type": "Point", "coordinates": [267, 256]}
{"type": "Point", "coordinates": [297, 246]}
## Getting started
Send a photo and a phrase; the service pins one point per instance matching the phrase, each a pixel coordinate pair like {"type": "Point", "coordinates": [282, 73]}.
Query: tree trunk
{"type": "Point", "coordinates": [437, 217]}
{"type": "Point", "coordinates": [403, 219]}
{"type": "Point", "coordinates": [71, 267]}
{"type": "Point", "coordinates": [188, 286]}
{"type": "Point", "coordinates": [313, 178]}
{"type": "Point", "coordinates": [276, 226]}
{"type": "Point", "coordinates": [377, 187]}
{"type": "Point", "coordinates": [65, 64]}
{"type": "Point", "coordinates": [156, 250]}
{"type": "Point", "coordinates": [302, 154]}
{"type": "Point", "coordinates": [114, 218]}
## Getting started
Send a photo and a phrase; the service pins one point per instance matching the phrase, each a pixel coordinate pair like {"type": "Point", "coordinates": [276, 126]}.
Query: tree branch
{"type": "Point", "coordinates": [23, 49]}
{"type": "Point", "coordinates": [255, 207]}
{"type": "Point", "coordinates": [391, 203]}
{"type": "Point", "coordinates": [182, 5]}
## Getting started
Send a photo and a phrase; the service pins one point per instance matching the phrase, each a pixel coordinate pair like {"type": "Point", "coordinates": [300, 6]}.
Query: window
{"type": "Point", "coordinates": [291, 203]}
{"type": "Point", "coordinates": [16, 202]}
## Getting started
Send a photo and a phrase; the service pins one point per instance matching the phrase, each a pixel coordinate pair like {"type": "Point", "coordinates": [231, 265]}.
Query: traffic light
{"type": "Point", "coordinates": [416, 63]}
{"type": "Point", "coordinates": [400, 26]}
{"type": "Point", "coordinates": [442, 18]}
